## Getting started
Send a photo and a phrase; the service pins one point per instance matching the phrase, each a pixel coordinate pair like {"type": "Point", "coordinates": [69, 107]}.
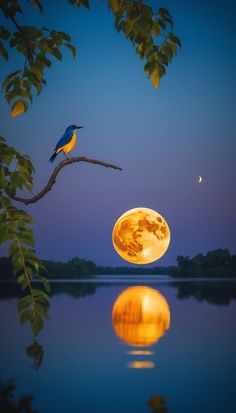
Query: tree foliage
{"type": "Point", "coordinates": [144, 28]}
{"type": "Point", "coordinates": [16, 226]}
{"type": "Point", "coordinates": [38, 46]}
{"type": "Point", "coordinates": [218, 262]}
{"type": "Point", "coordinates": [9, 403]}
{"type": "Point", "coordinates": [149, 31]}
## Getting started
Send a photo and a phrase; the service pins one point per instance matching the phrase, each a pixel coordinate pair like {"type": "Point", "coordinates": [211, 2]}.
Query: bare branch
{"type": "Point", "coordinates": [52, 179]}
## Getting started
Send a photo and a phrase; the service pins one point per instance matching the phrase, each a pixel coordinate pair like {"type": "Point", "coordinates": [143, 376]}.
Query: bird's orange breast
{"type": "Point", "coordinates": [69, 146]}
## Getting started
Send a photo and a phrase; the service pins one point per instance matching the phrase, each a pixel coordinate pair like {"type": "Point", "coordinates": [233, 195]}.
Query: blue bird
{"type": "Point", "coordinates": [67, 141]}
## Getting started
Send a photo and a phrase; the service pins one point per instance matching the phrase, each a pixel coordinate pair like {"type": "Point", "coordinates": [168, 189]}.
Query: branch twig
{"type": "Point", "coordinates": [52, 179]}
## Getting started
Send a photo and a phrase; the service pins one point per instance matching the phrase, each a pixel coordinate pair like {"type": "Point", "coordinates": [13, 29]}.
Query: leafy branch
{"type": "Point", "coordinates": [144, 28]}
{"type": "Point", "coordinates": [16, 227]}
{"type": "Point", "coordinates": [38, 46]}
{"type": "Point", "coordinates": [149, 31]}
{"type": "Point", "coordinates": [16, 173]}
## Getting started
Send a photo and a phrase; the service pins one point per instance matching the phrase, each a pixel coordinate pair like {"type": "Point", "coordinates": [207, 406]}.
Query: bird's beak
{"type": "Point", "coordinates": [79, 127]}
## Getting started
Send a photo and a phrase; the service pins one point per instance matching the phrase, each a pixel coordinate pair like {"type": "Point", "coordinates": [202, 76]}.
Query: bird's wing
{"type": "Point", "coordinates": [64, 140]}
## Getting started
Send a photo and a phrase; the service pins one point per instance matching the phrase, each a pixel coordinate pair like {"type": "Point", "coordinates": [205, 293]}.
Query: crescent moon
{"type": "Point", "coordinates": [199, 179]}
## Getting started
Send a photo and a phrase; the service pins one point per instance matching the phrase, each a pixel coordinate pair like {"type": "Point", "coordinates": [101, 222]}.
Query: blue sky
{"type": "Point", "coordinates": [163, 140]}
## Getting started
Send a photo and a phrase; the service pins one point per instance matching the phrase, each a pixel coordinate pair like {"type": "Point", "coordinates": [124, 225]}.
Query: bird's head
{"type": "Point", "coordinates": [73, 128]}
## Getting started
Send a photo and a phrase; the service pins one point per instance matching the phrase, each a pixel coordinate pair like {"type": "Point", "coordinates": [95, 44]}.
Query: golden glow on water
{"type": "Point", "coordinates": [140, 353]}
{"type": "Point", "coordinates": [141, 365]}
{"type": "Point", "coordinates": [141, 236]}
{"type": "Point", "coordinates": [140, 316]}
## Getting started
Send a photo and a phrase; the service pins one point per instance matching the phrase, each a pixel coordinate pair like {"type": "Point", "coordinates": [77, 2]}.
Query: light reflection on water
{"type": "Point", "coordinates": [81, 364]}
{"type": "Point", "coordinates": [144, 364]}
{"type": "Point", "coordinates": [140, 317]}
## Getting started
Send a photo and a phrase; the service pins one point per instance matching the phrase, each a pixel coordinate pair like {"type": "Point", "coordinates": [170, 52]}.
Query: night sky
{"type": "Point", "coordinates": [163, 140]}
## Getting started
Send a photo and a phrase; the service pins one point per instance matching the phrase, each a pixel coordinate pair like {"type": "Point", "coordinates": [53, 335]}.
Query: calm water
{"type": "Point", "coordinates": [89, 364]}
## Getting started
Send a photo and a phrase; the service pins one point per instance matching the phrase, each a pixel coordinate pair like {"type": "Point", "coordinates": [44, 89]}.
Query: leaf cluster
{"type": "Point", "coordinates": [35, 351]}
{"type": "Point", "coordinates": [16, 170]}
{"type": "Point", "coordinates": [9, 403]}
{"type": "Point", "coordinates": [150, 32]}
{"type": "Point", "coordinates": [38, 46]}
{"type": "Point", "coordinates": [16, 226]}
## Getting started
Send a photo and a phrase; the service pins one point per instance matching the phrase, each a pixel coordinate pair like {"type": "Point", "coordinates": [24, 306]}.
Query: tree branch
{"type": "Point", "coordinates": [8, 13]}
{"type": "Point", "coordinates": [52, 179]}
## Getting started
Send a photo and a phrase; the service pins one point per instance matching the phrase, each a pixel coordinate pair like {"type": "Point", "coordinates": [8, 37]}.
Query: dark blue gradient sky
{"type": "Point", "coordinates": [163, 140]}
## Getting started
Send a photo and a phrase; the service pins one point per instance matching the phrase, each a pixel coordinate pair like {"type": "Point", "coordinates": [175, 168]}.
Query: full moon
{"type": "Point", "coordinates": [140, 316]}
{"type": "Point", "coordinates": [141, 236]}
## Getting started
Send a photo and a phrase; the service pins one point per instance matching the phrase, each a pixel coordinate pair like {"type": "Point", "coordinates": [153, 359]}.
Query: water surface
{"type": "Point", "coordinates": [86, 367]}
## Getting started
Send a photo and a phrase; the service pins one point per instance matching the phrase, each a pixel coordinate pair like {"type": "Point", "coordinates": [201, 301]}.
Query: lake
{"type": "Point", "coordinates": [107, 349]}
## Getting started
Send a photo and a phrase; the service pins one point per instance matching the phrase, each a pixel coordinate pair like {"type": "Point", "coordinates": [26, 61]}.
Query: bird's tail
{"type": "Point", "coordinates": [53, 157]}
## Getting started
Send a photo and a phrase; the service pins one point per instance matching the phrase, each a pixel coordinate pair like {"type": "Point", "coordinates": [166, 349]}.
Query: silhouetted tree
{"type": "Point", "coordinates": [9, 405]}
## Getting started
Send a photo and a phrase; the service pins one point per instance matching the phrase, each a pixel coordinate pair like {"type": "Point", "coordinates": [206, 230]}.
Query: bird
{"type": "Point", "coordinates": [67, 141]}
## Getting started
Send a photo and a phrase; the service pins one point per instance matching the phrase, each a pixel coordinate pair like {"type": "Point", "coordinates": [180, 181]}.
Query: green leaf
{"type": "Point", "coordinates": [24, 239]}
{"type": "Point", "coordinates": [13, 83]}
{"type": "Point", "coordinates": [40, 295]}
{"type": "Point", "coordinates": [20, 214]}
{"type": "Point", "coordinates": [17, 266]}
{"type": "Point", "coordinates": [156, 30]}
{"type": "Point", "coordinates": [43, 59]}
{"type": "Point", "coordinates": [37, 325]}
{"type": "Point", "coordinates": [164, 58]}
{"type": "Point", "coordinates": [72, 48]}
{"type": "Point", "coordinates": [23, 303]}
{"type": "Point", "coordinates": [46, 284]}
{"type": "Point", "coordinates": [38, 72]}
{"type": "Point", "coordinates": [164, 11]}
{"type": "Point", "coordinates": [22, 280]}
{"type": "Point", "coordinates": [39, 308]}
{"type": "Point", "coordinates": [65, 36]}
{"type": "Point", "coordinates": [25, 316]}
{"type": "Point", "coordinates": [55, 52]}
{"type": "Point", "coordinates": [10, 76]}
{"type": "Point", "coordinates": [171, 46]}
{"type": "Point", "coordinates": [13, 248]}
{"type": "Point", "coordinates": [3, 51]}
{"type": "Point", "coordinates": [3, 233]}
{"type": "Point", "coordinates": [174, 39]}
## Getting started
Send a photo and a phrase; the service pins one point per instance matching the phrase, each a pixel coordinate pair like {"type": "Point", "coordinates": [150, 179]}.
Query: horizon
{"type": "Point", "coordinates": [130, 265]}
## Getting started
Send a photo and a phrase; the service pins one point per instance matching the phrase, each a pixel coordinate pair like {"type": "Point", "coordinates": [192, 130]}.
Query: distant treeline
{"type": "Point", "coordinates": [215, 263]}
{"type": "Point", "coordinates": [77, 267]}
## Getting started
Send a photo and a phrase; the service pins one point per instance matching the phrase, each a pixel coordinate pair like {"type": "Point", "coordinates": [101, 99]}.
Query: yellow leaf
{"type": "Point", "coordinates": [155, 78]}
{"type": "Point", "coordinates": [18, 108]}
{"type": "Point", "coordinates": [116, 5]}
